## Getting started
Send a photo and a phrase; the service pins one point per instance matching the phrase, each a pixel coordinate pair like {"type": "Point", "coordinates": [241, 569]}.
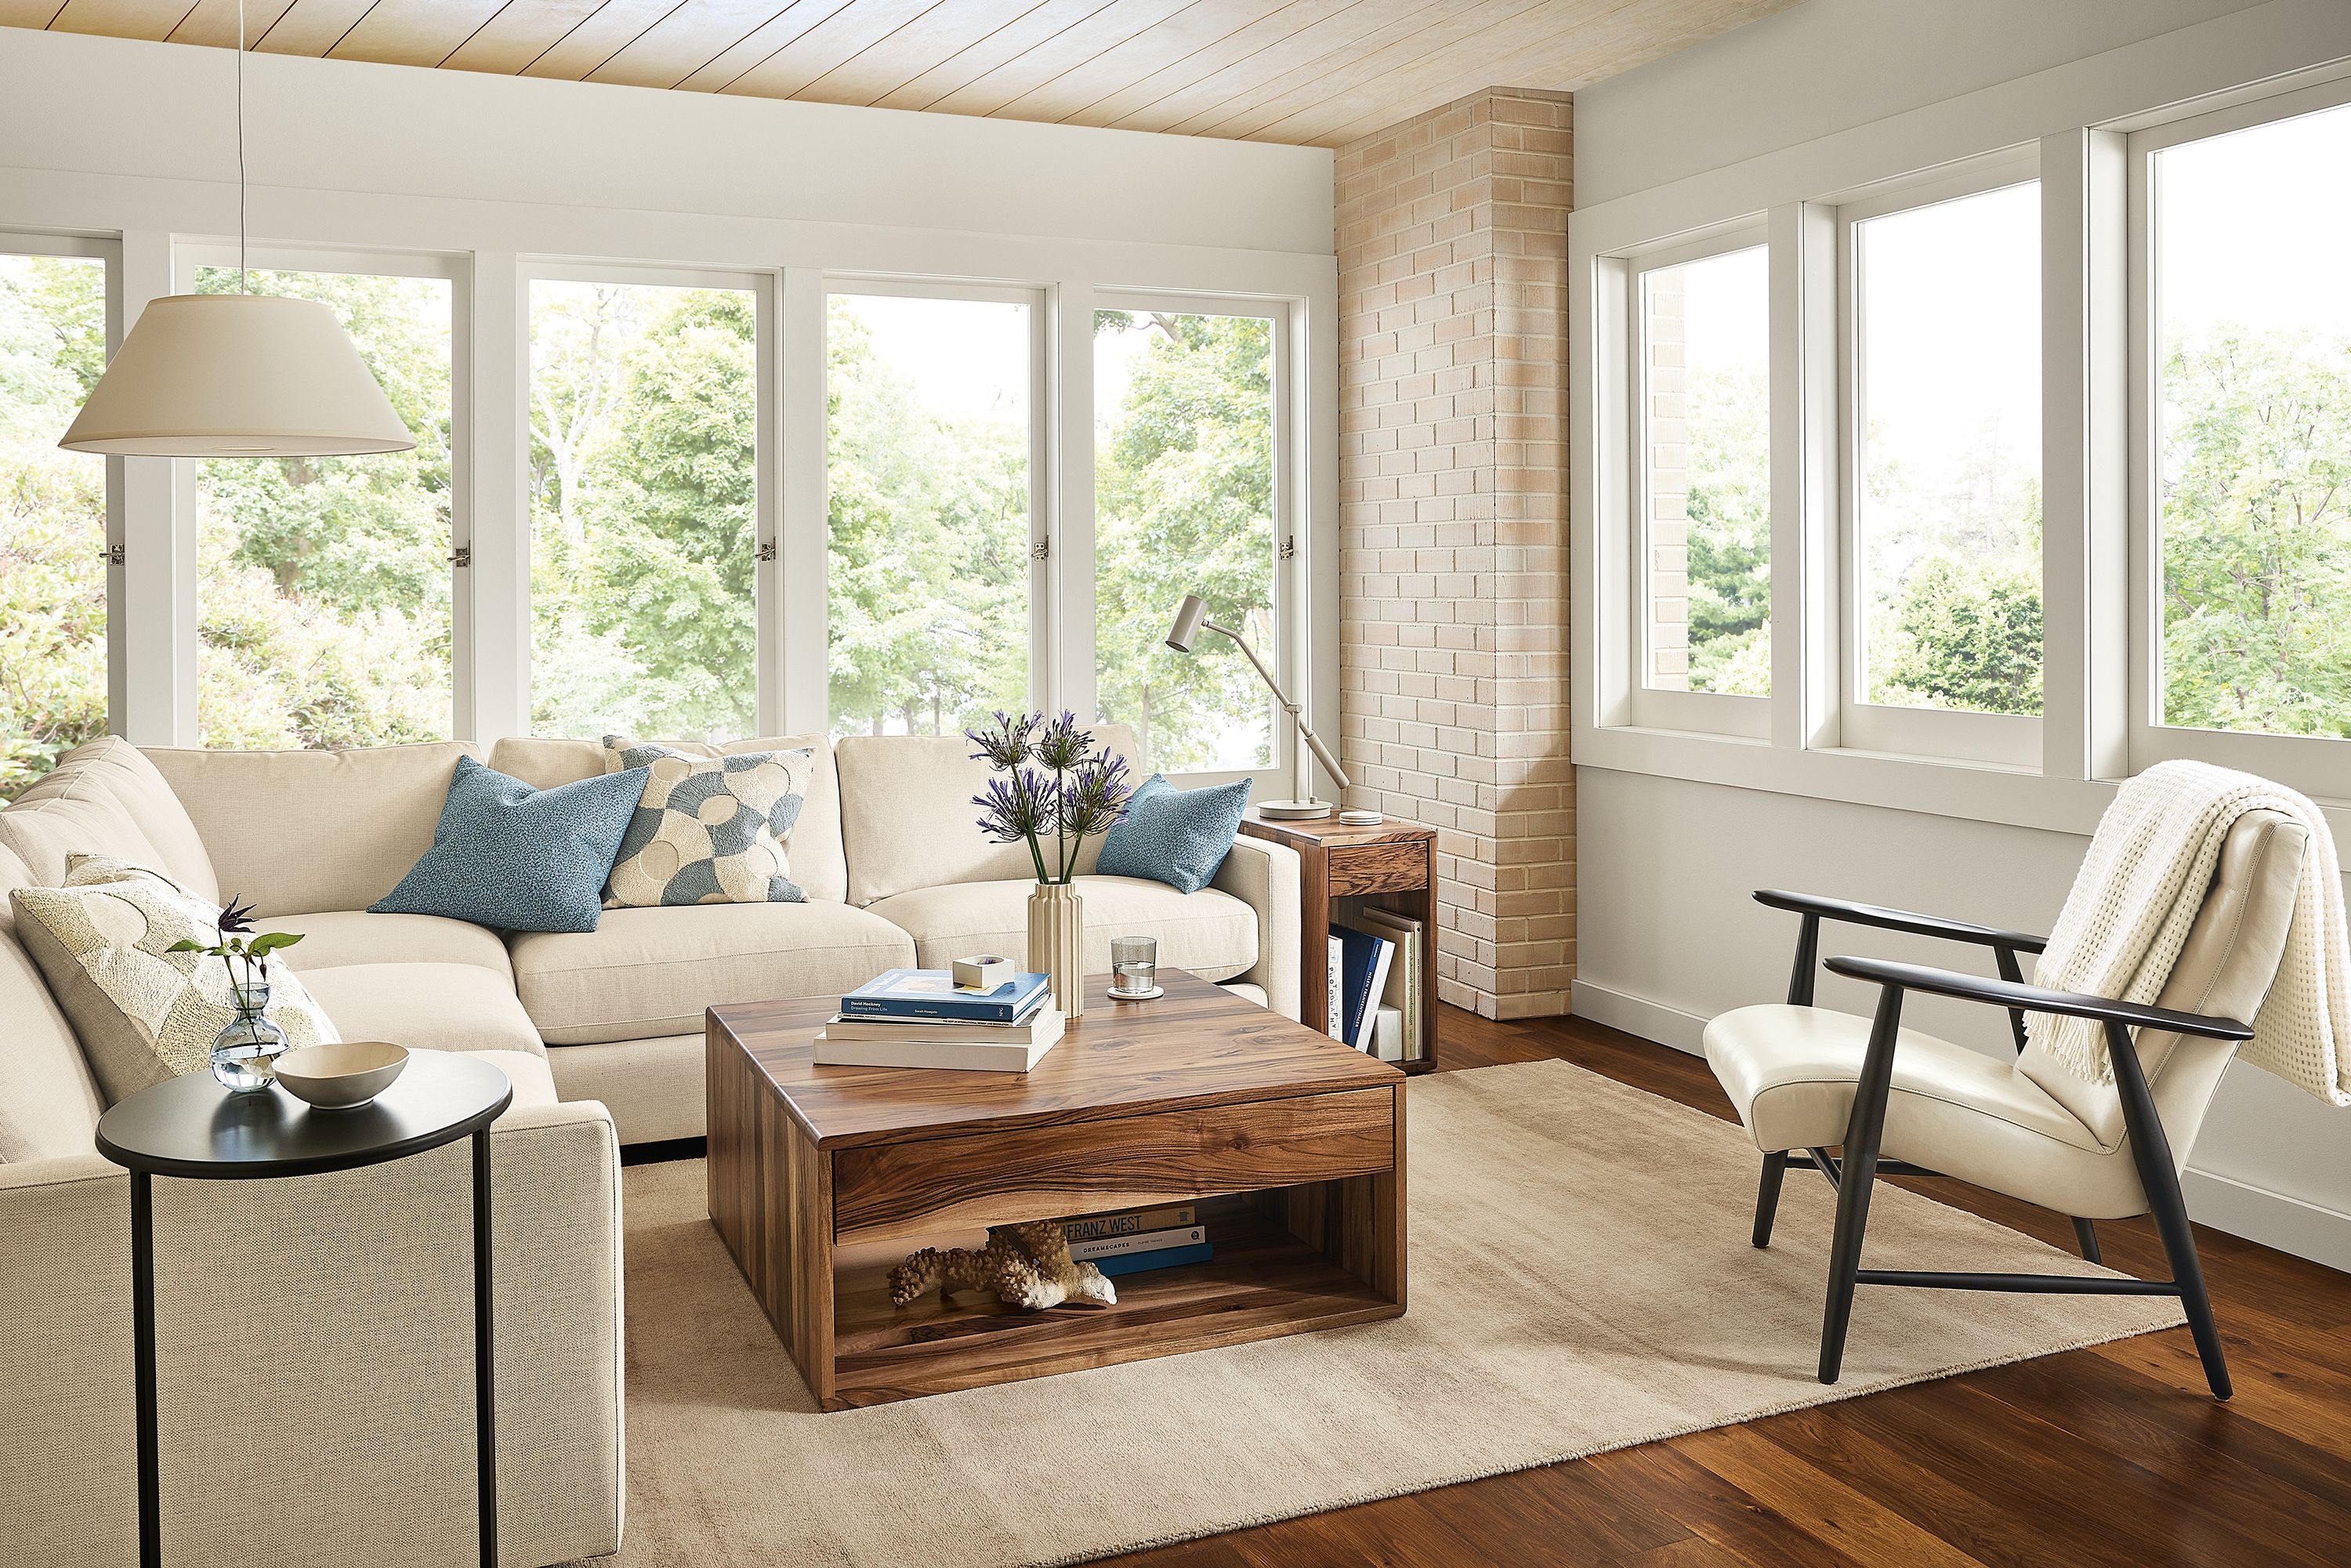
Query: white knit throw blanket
{"type": "Point", "coordinates": [2137, 894]}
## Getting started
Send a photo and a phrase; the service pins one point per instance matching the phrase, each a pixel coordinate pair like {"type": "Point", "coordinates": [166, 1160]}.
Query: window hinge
{"type": "Point", "coordinates": [1288, 545]}
{"type": "Point", "coordinates": [461, 555]}
{"type": "Point", "coordinates": [1042, 549]}
{"type": "Point", "coordinates": [768, 550]}
{"type": "Point", "coordinates": [111, 554]}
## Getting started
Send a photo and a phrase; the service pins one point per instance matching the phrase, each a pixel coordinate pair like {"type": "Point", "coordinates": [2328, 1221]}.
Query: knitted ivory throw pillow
{"type": "Point", "coordinates": [143, 1014]}
{"type": "Point", "coordinates": [708, 829]}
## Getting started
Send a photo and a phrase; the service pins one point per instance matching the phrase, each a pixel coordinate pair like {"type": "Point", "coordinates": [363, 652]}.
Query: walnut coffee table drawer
{"type": "Point", "coordinates": [1036, 1173]}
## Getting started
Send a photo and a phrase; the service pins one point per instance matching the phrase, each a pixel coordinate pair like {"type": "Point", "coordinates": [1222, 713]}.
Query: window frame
{"type": "Point", "coordinates": [761, 283]}
{"type": "Point", "coordinates": [2012, 741]}
{"type": "Point", "coordinates": [1662, 708]}
{"type": "Point", "coordinates": [1291, 655]}
{"type": "Point", "coordinates": [2318, 765]}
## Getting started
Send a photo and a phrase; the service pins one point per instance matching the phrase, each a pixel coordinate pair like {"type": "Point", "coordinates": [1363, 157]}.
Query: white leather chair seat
{"type": "Point", "coordinates": [1790, 1072]}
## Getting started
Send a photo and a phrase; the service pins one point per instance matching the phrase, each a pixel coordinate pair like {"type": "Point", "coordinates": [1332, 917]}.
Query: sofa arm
{"type": "Point", "coordinates": [1264, 875]}
{"type": "Point", "coordinates": [322, 1323]}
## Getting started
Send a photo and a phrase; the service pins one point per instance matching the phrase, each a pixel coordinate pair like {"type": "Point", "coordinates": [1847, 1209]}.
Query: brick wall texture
{"type": "Point", "coordinates": [1452, 242]}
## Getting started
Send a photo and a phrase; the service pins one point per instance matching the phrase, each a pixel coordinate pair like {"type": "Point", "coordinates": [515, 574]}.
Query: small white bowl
{"type": "Point", "coordinates": [340, 1077]}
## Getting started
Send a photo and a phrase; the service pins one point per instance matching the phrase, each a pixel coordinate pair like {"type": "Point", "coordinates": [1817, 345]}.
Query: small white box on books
{"type": "Point", "coordinates": [981, 974]}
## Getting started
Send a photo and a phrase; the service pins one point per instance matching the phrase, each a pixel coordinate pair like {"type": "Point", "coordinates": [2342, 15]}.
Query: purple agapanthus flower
{"type": "Point", "coordinates": [1006, 743]}
{"type": "Point", "coordinates": [1074, 791]}
{"type": "Point", "coordinates": [1093, 795]}
{"type": "Point", "coordinates": [1063, 745]}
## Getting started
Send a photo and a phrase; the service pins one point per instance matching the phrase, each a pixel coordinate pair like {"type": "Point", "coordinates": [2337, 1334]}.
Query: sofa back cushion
{"type": "Point", "coordinates": [813, 846]}
{"type": "Point", "coordinates": [296, 833]}
{"type": "Point", "coordinates": [106, 797]}
{"type": "Point", "coordinates": [907, 820]}
{"type": "Point", "coordinates": [49, 1101]}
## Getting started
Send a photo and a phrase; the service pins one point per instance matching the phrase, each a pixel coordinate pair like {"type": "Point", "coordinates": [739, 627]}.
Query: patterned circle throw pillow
{"type": "Point", "coordinates": [708, 829]}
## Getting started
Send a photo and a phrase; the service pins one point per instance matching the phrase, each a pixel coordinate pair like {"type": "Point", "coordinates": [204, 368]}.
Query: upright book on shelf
{"type": "Point", "coordinates": [1407, 974]}
{"type": "Point", "coordinates": [1364, 961]}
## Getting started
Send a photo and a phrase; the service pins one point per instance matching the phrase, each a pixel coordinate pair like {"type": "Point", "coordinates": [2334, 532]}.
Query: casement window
{"type": "Point", "coordinates": [1698, 414]}
{"type": "Point", "coordinates": [1940, 366]}
{"type": "Point", "coordinates": [1191, 496]}
{"type": "Point", "coordinates": [644, 479]}
{"type": "Point", "coordinates": [2241, 346]}
{"type": "Point", "coordinates": [57, 509]}
{"type": "Point", "coordinates": [323, 590]}
{"type": "Point", "coordinates": [934, 576]}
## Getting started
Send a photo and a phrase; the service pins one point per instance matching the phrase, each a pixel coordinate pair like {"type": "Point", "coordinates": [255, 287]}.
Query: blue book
{"type": "Point", "coordinates": [1363, 963]}
{"type": "Point", "coordinates": [933, 994]}
{"type": "Point", "coordinates": [1167, 1258]}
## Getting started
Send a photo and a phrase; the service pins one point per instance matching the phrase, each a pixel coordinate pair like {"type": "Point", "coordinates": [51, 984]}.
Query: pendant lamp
{"type": "Point", "coordinates": [236, 375]}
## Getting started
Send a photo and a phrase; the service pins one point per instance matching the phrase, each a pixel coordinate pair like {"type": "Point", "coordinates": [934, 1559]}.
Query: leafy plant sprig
{"type": "Point", "coordinates": [1086, 793]}
{"type": "Point", "coordinates": [239, 945]}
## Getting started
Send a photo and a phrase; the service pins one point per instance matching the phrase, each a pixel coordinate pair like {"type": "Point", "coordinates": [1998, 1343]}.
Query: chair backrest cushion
{"type": "Point", "coordinates": [107, 797]}
{"type": "Point", "coordinates": [2224, 969]}
{"type": "Point", "coordinates": [300, 833]}
{"type": "Point", "coordinates": [908, 819]}
{"type": "Point", "coordinates": [813, 846]}
{"type": "Point", "coordinates": [49, 1101]}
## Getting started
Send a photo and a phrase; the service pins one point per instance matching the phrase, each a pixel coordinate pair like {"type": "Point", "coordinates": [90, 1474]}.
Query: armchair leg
{"type": "Point", "coordinates": [2086, 1234]}
{"type": "Point", "coordinates": [1860, 1170]}
{"type": "Point", "coordinates": [1767, 1196]}
{"type": "Point", "coordinates": [2159, 1179]}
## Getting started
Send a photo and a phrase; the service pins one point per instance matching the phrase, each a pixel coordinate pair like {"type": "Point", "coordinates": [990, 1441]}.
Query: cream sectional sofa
{"type": "Point", "coordinates": [602, 1034]}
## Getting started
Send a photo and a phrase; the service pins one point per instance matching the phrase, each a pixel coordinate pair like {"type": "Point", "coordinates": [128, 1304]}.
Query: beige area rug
{"type": "Point", "coordinates": [1581, 1279]}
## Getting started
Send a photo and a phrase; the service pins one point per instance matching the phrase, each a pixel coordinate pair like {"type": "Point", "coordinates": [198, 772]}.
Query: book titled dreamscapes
{"type": "Point", "coordinates": [933, 994]}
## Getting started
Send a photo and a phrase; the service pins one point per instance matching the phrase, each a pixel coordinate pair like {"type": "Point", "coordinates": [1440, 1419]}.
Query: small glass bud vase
{"type": "Point", "coordinates": [245, 1053]}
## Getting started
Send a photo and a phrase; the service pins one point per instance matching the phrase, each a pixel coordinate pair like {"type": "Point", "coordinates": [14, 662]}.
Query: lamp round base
{"type": "Point", "coordinates": [1294, 810]}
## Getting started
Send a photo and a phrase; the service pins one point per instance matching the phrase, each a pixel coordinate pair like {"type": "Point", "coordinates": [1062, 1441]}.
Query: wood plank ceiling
{"type": "Point", "coordinates": [1317, 72]}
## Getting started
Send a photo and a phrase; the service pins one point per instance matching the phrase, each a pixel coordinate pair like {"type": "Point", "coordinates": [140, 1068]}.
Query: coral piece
{"type": "Point", "coordinates": [1026, 1266]}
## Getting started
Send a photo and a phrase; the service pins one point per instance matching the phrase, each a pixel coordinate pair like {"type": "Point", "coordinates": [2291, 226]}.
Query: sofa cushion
{"type": "Point", "coordinates": [647, 972]}
{"type": "Point", "coordinates": [49, 1103]}
{"type": "Point", "coordinates": [534, 1085]}
{"type": "Point", "coordinates": [907, 818]}
{"type": "Point", "coordinates": [107, 797]}
{"type": "Point", "coordinates": [294, 833]}
{"type": "Point", "coordinates": [428, 1007]}
{"type": "Point", "coordinates": [813, 844]}
{"type": "Point", "coordinates": [335, 937]}
{"type": "Point", "coordinates": [142, 1012]}
{"type": "Point", "coordinates": [708, 829]}
{"type": "Point", "coordinates": [1210, 933]}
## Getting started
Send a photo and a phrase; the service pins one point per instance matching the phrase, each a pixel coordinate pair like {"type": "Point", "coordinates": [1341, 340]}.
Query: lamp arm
{"type": "Point", "coordinates": [1305, 731]}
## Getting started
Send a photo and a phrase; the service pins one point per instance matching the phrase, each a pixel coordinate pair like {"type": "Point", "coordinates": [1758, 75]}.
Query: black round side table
{"type": "Point", "coordinates": [192, 1127]}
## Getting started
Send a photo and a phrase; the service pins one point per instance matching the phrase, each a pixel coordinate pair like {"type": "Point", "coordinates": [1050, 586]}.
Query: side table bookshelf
{"type": "Point", "coordinates": [1390, 866]}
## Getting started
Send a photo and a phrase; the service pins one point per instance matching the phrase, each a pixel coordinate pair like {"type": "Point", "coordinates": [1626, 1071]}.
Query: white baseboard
{"type": "Point", "coordinates": [2276, 1220]}
{"type": "Point", "coordinates": [1639, 1015]}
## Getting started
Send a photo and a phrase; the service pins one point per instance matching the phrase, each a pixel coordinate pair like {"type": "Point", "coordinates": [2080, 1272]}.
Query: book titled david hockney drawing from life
{"type": "Point", "coordinates": [933, 993]}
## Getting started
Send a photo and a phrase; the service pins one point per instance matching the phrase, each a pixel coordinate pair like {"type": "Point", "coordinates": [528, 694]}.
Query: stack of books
{"type": "Point", "coordinates": [1133, 1241]}
{"type": "Point", "coordinates": [920, 1018]}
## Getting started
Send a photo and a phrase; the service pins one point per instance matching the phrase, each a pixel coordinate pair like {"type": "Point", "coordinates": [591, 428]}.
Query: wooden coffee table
{"type": "Point", "coordinates": [1295, 1141]}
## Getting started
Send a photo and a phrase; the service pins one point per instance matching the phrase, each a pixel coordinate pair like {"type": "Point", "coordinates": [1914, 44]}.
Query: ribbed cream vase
{"type": "Point", "coordinates": [1057, 918]}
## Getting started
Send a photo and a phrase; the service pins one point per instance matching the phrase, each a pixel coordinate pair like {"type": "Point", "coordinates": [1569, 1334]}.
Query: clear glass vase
{"type": "Point", "coordinates": [245, 1053]}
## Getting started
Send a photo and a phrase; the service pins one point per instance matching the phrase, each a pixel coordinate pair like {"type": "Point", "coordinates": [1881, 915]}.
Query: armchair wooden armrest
{"type": "Point", "coordinates": [2035, 999]}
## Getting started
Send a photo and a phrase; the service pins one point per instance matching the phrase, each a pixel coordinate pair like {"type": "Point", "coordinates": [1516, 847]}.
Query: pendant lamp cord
{"type": "Point", "coordinates": [242, 286]}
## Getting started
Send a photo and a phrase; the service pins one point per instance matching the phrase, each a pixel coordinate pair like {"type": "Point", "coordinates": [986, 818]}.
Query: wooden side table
{"type": "Point", "coordinates": [192, 1128]}
{"type": "Point", "coordinates": [1392, 866]}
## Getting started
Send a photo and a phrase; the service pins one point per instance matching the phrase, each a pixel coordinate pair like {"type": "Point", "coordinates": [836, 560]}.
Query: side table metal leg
{"type": "Point", "coordinates": [486, 1425]}
{"type": "Point", "coordinates": [142, 1352]}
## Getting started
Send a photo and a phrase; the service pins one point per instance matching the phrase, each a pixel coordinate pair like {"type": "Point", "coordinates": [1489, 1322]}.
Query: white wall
{"type": "Point", "coordinates": [1668, 934]}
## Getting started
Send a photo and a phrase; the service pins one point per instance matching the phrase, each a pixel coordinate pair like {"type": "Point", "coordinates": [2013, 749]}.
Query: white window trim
{"type": "Point", "coordinates": [2317, 765]}
{"type": "Point", "coordinates": [1292, 653]}
{"type": "Point", "coordinates": [2003, 739]}
{"type": "Point", "coordinates": [1656, 707]}
{"type": "Point", "coordinates": [2082, 116]}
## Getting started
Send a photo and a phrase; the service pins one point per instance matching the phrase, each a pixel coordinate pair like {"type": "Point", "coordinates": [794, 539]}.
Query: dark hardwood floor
{"type": "Point", "coordinates": [2117, 1453]}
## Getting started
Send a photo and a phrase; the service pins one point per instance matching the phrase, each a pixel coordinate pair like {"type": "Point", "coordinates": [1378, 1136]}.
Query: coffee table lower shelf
{"type": "Point", "coordinates": [1263, 1282]}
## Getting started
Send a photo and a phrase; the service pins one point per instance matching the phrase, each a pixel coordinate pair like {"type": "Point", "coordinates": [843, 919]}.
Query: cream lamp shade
{"type": "Point", "coordinates": [236, 375]}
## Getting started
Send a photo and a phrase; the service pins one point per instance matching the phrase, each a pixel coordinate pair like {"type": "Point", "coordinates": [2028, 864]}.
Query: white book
{"type": "Point", "coordinates": [1143, 1241]}
{"type": "Point", "coordinates": [1335, 1011]}
{"type": "Point", "coordinates": [1378, 985]}
{"type": "Point", "coordinates": [1015, 1055]}
{"type": "Point", "coordinates": [1387, 1035]}
{"type": "Point", "coordinates": [1041, 1024]}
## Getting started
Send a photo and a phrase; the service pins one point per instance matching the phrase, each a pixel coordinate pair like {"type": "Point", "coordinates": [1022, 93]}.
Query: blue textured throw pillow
{"type": "Point", "coordinates": [1176, 836]}
{"type": "Point", "coordinates": [520, 858]}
